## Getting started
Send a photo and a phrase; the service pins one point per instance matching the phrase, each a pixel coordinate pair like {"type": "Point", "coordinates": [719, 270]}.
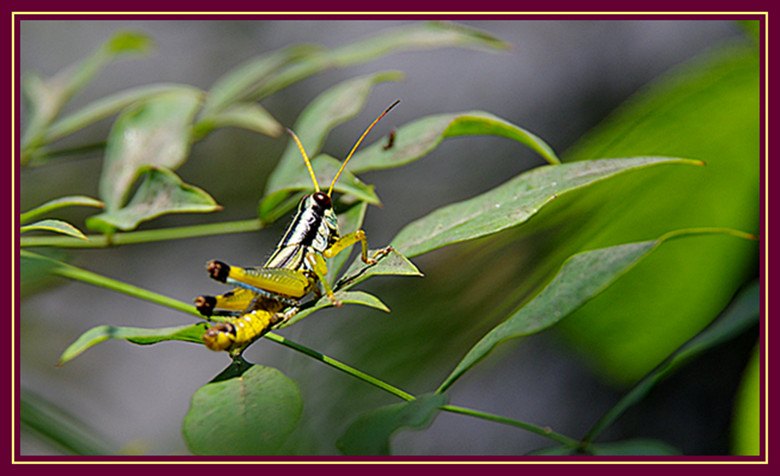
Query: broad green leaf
{"type": "Point", "coordinates": [634, 447]}
{"type": "Point", "coordinates": [46, 97]}
{"type": "Point", "coordinates": [154, 132]}
{"type": "Point", "coordinates": [417, 36]}
{"type": "Point", "coordinates": [512, 203]}
{"type": "Point", "coordinates": [249, 116]}
{"type": "Point", "coordinates": [346, 297]}
{"type": "Point", "coordinates": [371, 432]}
{"type": "Point", "coordinates": [54, 425]}
{"type": "Point", "coordinates": [331, 108]}
{"type": "Point", "coordinates": [161, 192]}
{"type": "Point", "coordinates": [420, 137]}
{"type": "Point", "coordinates": [708, 109]}
{"type": "Point", "coordinates": [57, 226]}
{"type": "Point", "coordinates": [105, 107]}
{"type": "Point", "coordinates": [75, 200]}
{"type": "Point", "coordinates": [746, 426]}
{"type": "Point", "coordinates": [241, 83]}
{"type": "Point", "coordinates": [250, 415]}
{"type": "Point", "coordinates": [582, 277]}
{"type": "Point", "coordinates": [136, 335]}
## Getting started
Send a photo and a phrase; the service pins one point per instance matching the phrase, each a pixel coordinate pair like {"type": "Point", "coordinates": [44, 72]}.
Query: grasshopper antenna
{"type": "Point", "coordinates": [308, 162]}
{"type": "Point", "coordinates": [354, 148]}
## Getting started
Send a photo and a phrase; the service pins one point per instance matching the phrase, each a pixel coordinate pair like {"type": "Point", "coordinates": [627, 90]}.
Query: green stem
{"type": "Point", "coordinates": [340, 366]}
{"type": "Point", "coordinates": [146, 236]}
{"type": "Point", "coordinates": [72, 272]}
{"type": "Point", "coordinates": [546, 432]}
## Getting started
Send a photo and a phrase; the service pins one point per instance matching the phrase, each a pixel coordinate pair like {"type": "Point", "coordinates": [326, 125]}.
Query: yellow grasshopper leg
{"type": "Point", "coordinates": [281, 284]}
{"type": "Point", "coordinates": [320, 269]}
{"type": "Point", "coordinates": [348, 240]}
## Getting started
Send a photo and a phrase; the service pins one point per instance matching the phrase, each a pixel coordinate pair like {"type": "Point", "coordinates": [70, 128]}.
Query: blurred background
{"type": "Point", "coordinates": [559, 80]}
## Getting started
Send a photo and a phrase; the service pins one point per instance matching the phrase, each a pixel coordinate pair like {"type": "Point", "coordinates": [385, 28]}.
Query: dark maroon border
{"type": "Point", "coordinates": [400, 6]}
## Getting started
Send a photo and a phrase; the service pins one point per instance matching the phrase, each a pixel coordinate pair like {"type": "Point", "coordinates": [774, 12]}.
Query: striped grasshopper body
{"type": "Point", "coordinates": [296, 268]}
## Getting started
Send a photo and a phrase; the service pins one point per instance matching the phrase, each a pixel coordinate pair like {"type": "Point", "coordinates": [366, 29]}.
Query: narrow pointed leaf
{"type": "Point", "coordinates": [511, 203]}
{"type": "Point", "coordinates": [418, 138]}
{"type": "Point", "coordinates": [371, 432]}
{"type": "Point", "coordinates": [737, 318]}
{"type": "Point", "coordinates": [581, 277]}
{"type": "Point", "coordinates": [55, 425]}
{"type": "Point", "coordinates": [253, 414]}
{"type": "Point", "coordinates": [249, 116]}
{"type": "Point", "coordinates": [154, 132]}
{"type": "Point", "coordinates": [161, 192]}
{"type": "Point", "coordinates": [47, 97]}
{"type": "Point", "coordinates": [75, 200]}
{"type": "Point", "coordinates": [105, 107]}
{"type": "Point", "coordinates": [392, 264]}
{"type": "Point", "coordinates": [242, 82]}
{"type": "Point", "coordinates": [418, 36]}
{"type": "Point", "coordinates": [136, 335]}
{"type": "Point", "coordinates": [57, 226]}
{"type": "Point", "coordinates": [331, 108]}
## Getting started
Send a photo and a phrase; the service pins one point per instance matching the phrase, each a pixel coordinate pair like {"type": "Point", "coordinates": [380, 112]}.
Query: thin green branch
{"type": "Point", "coordinates": [146, 236]}
{"type": "Point", "coordinates": [72, 272]}
{"type": "Point", "coordinates": [546, 431]}
{"type": "Point", "coordinates": [340, 366]}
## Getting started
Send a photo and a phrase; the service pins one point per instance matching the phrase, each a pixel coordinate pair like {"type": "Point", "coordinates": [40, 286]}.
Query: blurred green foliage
{"type": "Point", "coordinates": [567, 244]}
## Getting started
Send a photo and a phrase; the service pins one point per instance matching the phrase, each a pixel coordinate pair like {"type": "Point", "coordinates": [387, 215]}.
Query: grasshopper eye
{"type": "Point", "coordinates": [322, 199]}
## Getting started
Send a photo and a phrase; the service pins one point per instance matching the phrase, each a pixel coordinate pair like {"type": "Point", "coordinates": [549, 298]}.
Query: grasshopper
{"type": "Point", "coordinates": [296, 268]}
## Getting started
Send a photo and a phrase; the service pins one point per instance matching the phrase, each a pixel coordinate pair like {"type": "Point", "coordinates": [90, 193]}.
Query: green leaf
{"type": "Point", "coordinates": [128, 42]}
{"type": "Point", "coordinates": [161, 192]}
{"type": "Point", "coordinates": [740, 315]}
{"type": "Point", "coordinates": [582, 277]}
{"type": "Point", "coordinates": [331, 108]}
{"type": "Point", "coordinates": [47, 97]}
{"type": "Point", "coordinates": [136, 335]}
{"type": "Point", "coordinates": [57, 226]}
{"type": "Point", "coordinates": [241, 83]}
{"type": "Point", "coordinates": [392, 264]}
{"type": "Point", "coordinates": [54, 425]}
{"type": "Point", "coordinates": [249, 116]}
{"type": "Point", "coordinates": [420, 137]}
{"type": "Point", "coordinates": [746, 426]}
{"type": "Point", "coordinates": [512, 203]}
{"type": "Point", "coordinates": [417, 36]}
{"type": "Point", "coordinates": [370, 433]}
{"type": "Point", "coordinates": [74, 200]}
{"type": "Point", "coordinates": [634, 447]}
{"type": "Point", "coordinates": [250, 415]}
{"type": "Point", "coordinates": [106, 107]}
{"type": "Point", "coordinates": [347, 297]}
{"type": "Point", "coordinates": [686, 285]}
{"type": "Point", "coordinates": [154, 132]}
